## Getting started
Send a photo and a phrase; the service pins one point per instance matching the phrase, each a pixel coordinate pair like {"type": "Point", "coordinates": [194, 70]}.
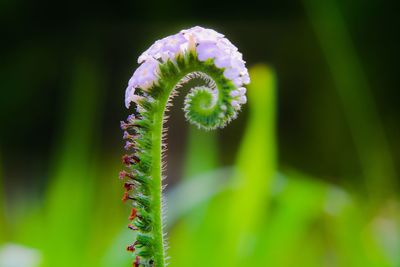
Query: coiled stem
{"type": "Point", "coordinates": [196, 53]}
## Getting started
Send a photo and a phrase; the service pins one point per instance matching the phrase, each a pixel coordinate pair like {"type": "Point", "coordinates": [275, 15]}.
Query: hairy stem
{"type": "Point", "coordinates": [157, 185]}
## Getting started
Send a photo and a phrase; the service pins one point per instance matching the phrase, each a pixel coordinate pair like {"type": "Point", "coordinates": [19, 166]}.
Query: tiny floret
{"type": "Point", "coordinates": [173, 43]}
{"type": "Point", "coordinates": [146, 74]}
{"type": "Point", "coordinates": [242, 99]}
{"type": "Point", "coordinates": [207, 51]}
{"type": "Point", "coordinates": [242, 90]}
{"type": "Point", "coordinates": [235, 104]}
{"type": "Point", "coordinates": [235, 93]}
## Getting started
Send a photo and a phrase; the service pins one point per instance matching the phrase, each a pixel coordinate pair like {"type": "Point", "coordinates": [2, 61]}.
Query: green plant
{"type": "Point", "coordinates": [195, 54]}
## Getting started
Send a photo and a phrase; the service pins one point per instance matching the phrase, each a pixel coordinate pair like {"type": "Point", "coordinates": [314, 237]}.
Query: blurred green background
{"type": "Point", "coordinates": [306, 176]}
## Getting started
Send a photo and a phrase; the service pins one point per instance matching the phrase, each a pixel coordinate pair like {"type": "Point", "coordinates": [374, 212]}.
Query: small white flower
{"type": "Point", "coordinates": [151, 52]}
{"type": "Point", "coordinates": [144, 77]}
{"type": "Point", "coordinates": [203, 35]}
{"type": "Point", "coordinates": [238, 81]}
{"type": "Point", "coordinates": [238, 63]}
{"type": "Point", "coordinates": [225, 45]}
{"type": "Point", "coordinates": [206, 51]}
{"type": "Point", "coordinates": [235, 93]}
{"type": "Point", "coordinates": [146, 74]}
{"type": "Point", "coordinates": [173, 43]}
{"type": "Point", "coordinates": [242, 99]}
{"type": "Point", "coordinates": [231, 73]}
{"type": "Point", "coordinates": [246, 78]}
{"type": "Point", "coordinates": [235, 104]}
{"type": "Point", "coordinates": [222, 60]}
{"type": "Point", "coordinates": [242, 90]}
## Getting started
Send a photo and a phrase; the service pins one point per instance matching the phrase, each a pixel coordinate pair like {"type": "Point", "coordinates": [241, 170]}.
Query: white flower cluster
{"type": "Point", "coordinates": [208, 44]}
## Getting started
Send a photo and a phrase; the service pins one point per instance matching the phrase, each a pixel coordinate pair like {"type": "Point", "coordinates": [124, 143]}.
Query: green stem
{"type": "Point", "coordinates": [157, 185]}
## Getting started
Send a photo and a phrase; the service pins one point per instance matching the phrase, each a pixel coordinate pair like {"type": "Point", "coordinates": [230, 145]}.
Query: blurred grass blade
{"type": "Point", "coordinates": [71, 191]}
{"type": "Point", "coordinates": [355, 94]}
{"type": "Point", "coordinates": [202, 152]}
{"type": "Point", "coordinates": [256, 167]}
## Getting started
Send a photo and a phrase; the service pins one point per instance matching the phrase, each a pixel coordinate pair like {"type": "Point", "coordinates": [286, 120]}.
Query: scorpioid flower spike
{"type": "Point", "coordinates": [216, 64]}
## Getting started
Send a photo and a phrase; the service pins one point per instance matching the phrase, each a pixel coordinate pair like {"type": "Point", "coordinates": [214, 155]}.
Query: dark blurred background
{"type": "Point", "coordinates": [64, 67]}
{"type": "Point", "coordinates": [45, 42]}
